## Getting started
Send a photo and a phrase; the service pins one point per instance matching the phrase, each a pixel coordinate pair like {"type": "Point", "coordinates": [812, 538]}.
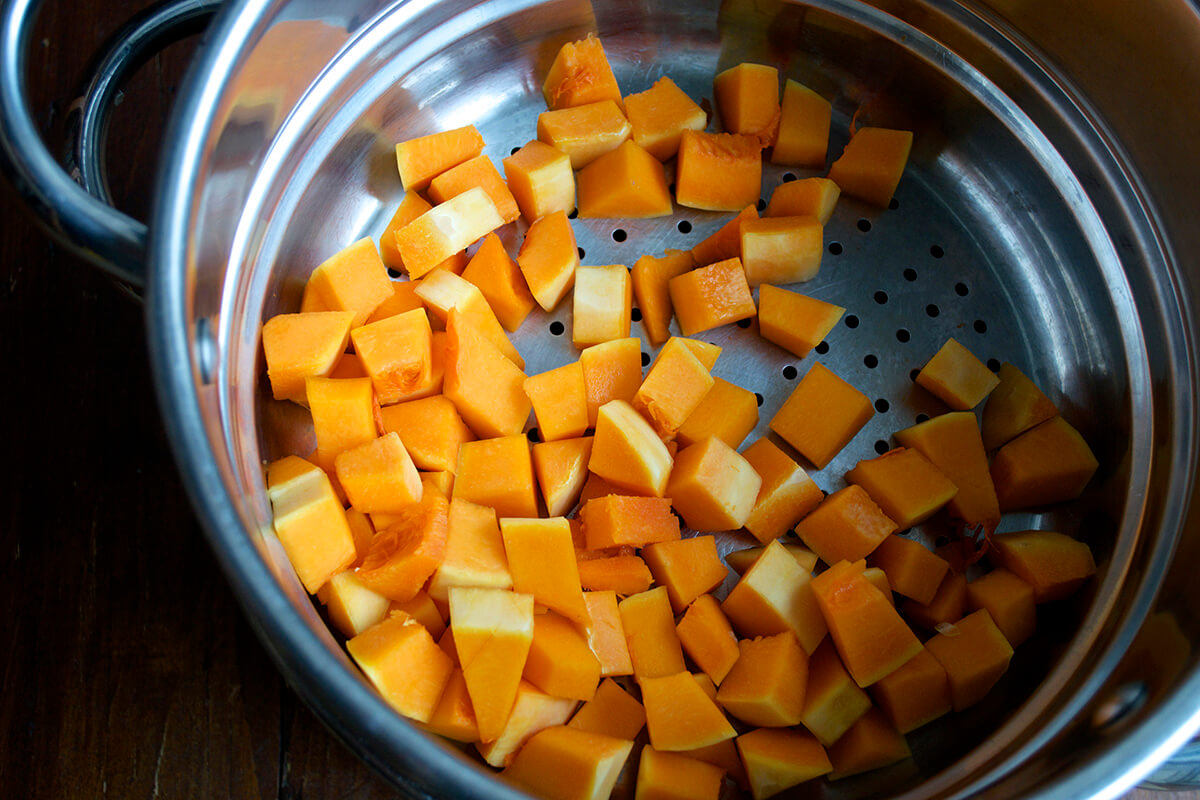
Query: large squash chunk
{"type": "Point", "coordinates": [846, 526]}
{"type": "Point", "coordinates": [822, 415]}
{"type": "Point", "coordinates": [484, 385]}
{"type": "Point", "coordinates": [397, 352]}
{"type": "Point", "coordinates": [833, 702]}
{"type": "Point", "coordinates": [650, 275]}
{"type": "Point", "coordinates": [680, 716]}
{"type": "Point", "coordinates": [675, 385]}
{"type": "Point", "coordinates": [421, 159]}
{"type": "Point", "coordinates": [446, 229]}
{"type": "Point", "coordinates": [621, 521]}
{"type": "Point", "coordinates": [611, 371]}
{"type": "Point", "coordinates": [712, 296]}
{"type": "Point", "coordinates": [564, 763]}
{"type": "Point", "coordinates": [541, 180]}
{"type": "Point", "coordinates": [777, 759]}
{"type": "Point", "coordinates": [548, 259]}
{"type": "Point", "coordinates": [497, 473]}
{"type": "Point", "coordinates": [1054, 564]}
{"type": "Point", "coordinates": [748, 101]}
{"type": "Point", "coordinates": [561, 471]}
{"type": "Point", "coordinates": [379, 476]}
{"type": "Point", "coordinates": [353, 279]}
{"type": "Point", "coordinates": [660, 115]}
{"type": "Point", "coordinates": [1048, 464]}
{"type": "Point", "coordinates": [686, 567]}
{"type": "Point", "coordinates": [560, 663]}
{"type": "Point", "coordinates": [953, 444]}
{"type": "Point", "coordinates": [481, 172]}
{"type": "Point", "coordinates": [602, 304]}
{"type": "Point", "coordinates": [404, 663]}
{"type": "Point", "coordinates": [872, 163]}
{"type": "Point", "coordinates": [1013, 407]}
{"type": "Point", "coordinates": [912, 570]}
{"type": "Point", "coordinates": [499, 278]}
{"type": "Point", "coordinates": [956, 376]}
{"type": "Point", "coordinates": [782, 249]}
{"type": "Point", "coordinates": [776, 595]}
{"type": "Point", "coordinates": [627, 452]}
{"type": "Point", "coordinates": [300, 346]}
{"type": "Point", "coordinates": [405, 554]}
{"type": "Point", "coordinates": [309, 521]}
{"type": "Point", "coordinates": [650, 634]}
{"type": "Point", "coordinates": [612, 711]}
{"type": "Point", "coordinates": [718, 171]}
{"type": "Point", "coordinates": [580, 74]}
{"type": "Point", "coordinates": [559, 402]}
{"type": "Point", "coordinates": [1009, 601]}
{"type": "Point", "coordinates": [712, 487]}
{"type": "Point", "coordinates": [492, 629]}
{"type": "Point", "coordinates": [606, 633]}
{"type": "Point", "coordinates": [905, 484]}
{"type": "Point", "coordinates": [674, 776]}
{"type": "Point", "coordinates": [541, 558]}
{"type": "Point", "coordinates": [584, 132]}
{"type": "Point", "coordinates": [707, 637]}
{"type": "Point", "coordinates": [804, 122]}
{"type": "Point", "coordinates": [975, 655]}
{"type": "Point", "coordinates": [766, 685]}
{"type": "Point", "coordinates": [870, 744]}
{"type": "Point", "coordinates": [727, 412]}
{"type": "Point", "coordinates": [431, 430]}
{"type": "Point", "coordinates": [915, 694]}
{"type": "Point", "coordinates": [787, 493]}
{"type": "Point", "coordinates": [626, 182]}
{"type": "Point", "coordinates": [442, 291]}
{"type": "Point", "coordinates": [474, 554]}
{"type": "Point", "coordinates": [795, 322]}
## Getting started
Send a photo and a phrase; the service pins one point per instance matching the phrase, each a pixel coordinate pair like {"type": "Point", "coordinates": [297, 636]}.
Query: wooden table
{"type": "Point", "coordinates": [127, 668]}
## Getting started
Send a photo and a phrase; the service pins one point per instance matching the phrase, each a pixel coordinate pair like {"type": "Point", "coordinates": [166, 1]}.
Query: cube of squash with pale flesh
{"type": "Point", "coordinates": [953, 444]}
{"type": "Point", "coordinates": [660, 115]}
{"type": "Point", "coordinates": [975, 655]}
{"type": "Point", "coordinates": [787, 493]}
{"type": "Point", "coordinates": [627, 452]}
{"type": "Point", "coordinates": [707, 637]}
{"type": "Point", "coordinates": [397, 352]}
{"type": "Point", "coordinates": [1050, 463]}
{"type": "Point", "coordinates": [687, 568]}
{"type": "Point", "coordinates": [611, 371]}
{"type": "Point", "coordinates": [766, 685]}
{"type": "Point", "coordinates": [673, 388]}
{"type": "Point", "coordinates": [404, 555]}
{"type": "Point", "coordinates": [541, 558]}
{"type": "Point", "coordinates": [561, 471]}
{"type": "Point", "coordinates": [650, 276]}
{"type": "Point", "coordinates": [540, 178]}
{"type": "Point", "coordinates": [1010, 602]}
{"type": "Point", "coordinates": [957, 377]}
{"type": "Point", "coordinates": [727, 412]}
{"type": "Point", "coordinates": [675, 776]}
{"type": "Point", "coordinates": [1013, 407]}
{"type": "Point", "coordinates": [612, 711]}
{"type": "Point", "coordinates": [606, 633]}
{"type": "Point", "coordinates": [411, 206]}
{"type": "Point", "coordinates": [846, 526]}
{"type": "Point", "coordinates": [345, 414]}
{"type": "Point", "coordinates": [353, 279]}
{"type": "Point", "coordinates": [484, 385]}
{"type": "Point", "coordinates": [821, 415]}
{"type": "Point", "coordinates": [795, 322]}
{"type": "Point", "coordinates": [422, 159]}
{"type": "Point", "coordinates": [580, 74]}
{"type": "Point", "coordinates": [712, 296]}
{"type": "Point", "coordinates": [680, 716]}
{"type": "Point", "coordinates": [625, 182]}
{"type": "Point", "coordinates": [559, 402]}
{"type": "Point", "coordinates": [548, 259]}
{"type": "Point", "coordinates": [300, 346]}
{"type": "Point", "coordinates": [914, 695]}
{"type": "Point", "coordinates": [804, 122]}
{"type": "Point", "coordinates": [833, 702]}
{"type": "Point", "coordinates": [499, 278]}
{"type": "Point", "coordinates": [602, 304]}
{"type": "Point", "coordinates": [560, 663]}
{"type": "Point", "coordinates": [379, 476]}
{"type": "Point", "coordinates": [712, 487]}
{"type": "Point", "coordinates": [1054, 564]}
{"type": "Point", "coordinates": [584, 132]}
{"type": "Point", "coordinates": [569, 764]}
{"type": "Point", "coordinates": [911, 569]}
{"type": "Point", "coordinates": [776, 759]}
{"type": "Point", "coordinates": [809, 197]}
{"type": "Point", "coordinates": [776, 595]}
{"type": "Point", "coordinates": [442, 291]}
{"type": "Point", "coordinates": [650, 634]}
{"type": "Point", "coordinates": [718, 171]}
{"type": "Point", "coordinates": [446, 229]}
{"type": "Point", "coordinates": [481, 172]}
{"type": "Point", "coordinates": [871, 743]}
{"type": "Point", "coordinates": [532, 711]}
{"type": "Point", "coordinates": [404, 663]}
{"type": "Point", "coordinates": [422, 608]}
{"type": "Point", "coordinates": [905, 484]}
{"type": "Point", "coordinates": [351, 606]}
{"type": "Point", "coordinates": [748, 101]}
{"type": "Point", "coordinates": [474, 554]}
{"type": "Point", "coordinates": [497, 473]}
{"type": "Point", "coordinates": [309, 521]}
{"type": "Point", "coordinates": [781, 249]}
{"type": "Point", "coordinates": [872, 164]}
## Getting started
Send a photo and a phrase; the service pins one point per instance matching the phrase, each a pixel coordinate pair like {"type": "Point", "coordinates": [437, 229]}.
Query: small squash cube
{"type": "Point", "coordinates": [846, 526]}
{"type": "Point", "coordinates": [540, 178]}
{"type": "Point", "coordinates": [712, 487]}
{"type": "Point", "coordinates": [795, 322]}
{"type": "Point", "coordinates": [584, 132]}
{"type": "Point", "coordinates": [421, 159]}
{"type": "Point", "coordinates": [712, 296]}
{"type": "Point", "coordinates": [870, 744]}
{"type": "Point", "coordinates": [1054, 564]}
{"type": "Point", "coordinates": [431, 430]}
{"type": "Point", "coordinates": [726, 242]}
{"type": "Point", "coordinates": [611, 711]}
{"type": "Point", "coordinates": [404, 555]}
{"type": "Point", "coordinates": [674, 776]}
{"type": "Point", "coordinates": [707, 637]}
{"type": "Point", "coordinates": [810, 197]}
{"type": "Point", "coordinates": [975, 655]}
{"type": "Point", "coordinates": [914, 695]}
{"type": "Point", "coordinates": [650, 634]}
{"type": "Point", "coordinates": [804, 122]}
{"type": "Point", "coordinates": [606, 633]}
{"type": "Point", "coordinates": [822, 415]}
{"type": "Point", "coordinates": [650, 277]}
{"type": "Point", "coordinates": [625, 575]}
{"type": "Point", "coordinates": [626, 182]}
{"type": "Point", "coordinates": [948, 604]}
{"type": "Point", "coordinates": [871, 165]}
{"type": "Point", "coordinates": [442, 291]}
{"type": "Point", "coordinates": [397, 352]}
{"type": "Point", "coordinates": [541, 558]}
{"type": "Point", "coordinates": [446, 229]}
{"type": "Point", "coordinates": [1009, 601]}
{"type": "Point", "coordinates": [548, 259]}
{"type": "Point", "coordinates": [727, 412]}
{"type": "Point", "coordinates": [1050, 463]}
{"type": "Point", "coordinates": [615, 520]}
{"type": "Point", "coordinates": [379, 476]}
{"type": "Point", "coordinates": [560, 663]}
{"type": "Point", "coordinates": [484, 385]}
{"type": "Point", "coordinates": [559, 402]}
{"type": "Point", "coordinates": [404, 663]}
{"type": "Point", "coordinates": [627, 452]}
{"type": "Point", "coordinates": [718, 171]}
{"type": "Point", "coordinates": [777, 759]}
{"type": "Point", "coordinates": [660, 115]}
{"type": "Point", "coordinates": [833, 702]}
{"type": "Point", "coordinates": [499, 279]}
{"type": "Point", "coordinates": [351, 606]}
{"type": "Point", "coordinates": [602, 305]}
{"type": "Point", "coordinates": [532, 711]}
{"type": "Point", "coordinates": [561, 470]}
{"type": "Point", "coordinates": [957, 377]}
{"type": "Point", "coordinates": [497, 473]}
{"type": "Point", "coordinates": [776, 595]}
{"type": "Point", "coordinates": [952, 443]}
{"type": "Point", "coordinates": [766, 685]}
{"type": "Point", "coordinates": [905, 484]}
{"type": "Point", "coordinates": [787, 493]}
{"type": "Point", "coordinates": [1013, 407]}
{"type": "Point", "coordinates": [404, 298]}
{"type": "Point", "coordinates": [474, 554]}
{"type": "Point", "coordinates": [673, 388]}
{"type": "Point", "coordinates": [454, 716]}
{"type": "Point", "coordinates": [481, 172]}
{"type": "Point", "coordinates": [580, 74]}
{"type": "Point", "coordinates": [412, 206]}
{"type": "Point", "coordinates": [344, 413]}
{"type": "Point", "coordinates": [782, 249]}
{"type": "Point", "coordinates": [353, 279]}
{"type": "Point", "coordinates": [748, 101]}
{"type": "Point", "coordinates": [611, 371]}
{"type": "Point", "coordinates": [300, 346]}
{"type": "Point", "coordinates": [687, 568]}
{"type": "Point", "coordinates": [911, 569]}
{"type": "Point", "coordinates": [309, 521]}
{"type": "Point", "coordinates": [679, 715]}
{"type": "Point", "coordinates": [563, 763]}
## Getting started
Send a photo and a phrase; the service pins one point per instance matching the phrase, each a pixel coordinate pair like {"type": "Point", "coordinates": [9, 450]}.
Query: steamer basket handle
{"type": "Point", "coordinates": [80, 214]}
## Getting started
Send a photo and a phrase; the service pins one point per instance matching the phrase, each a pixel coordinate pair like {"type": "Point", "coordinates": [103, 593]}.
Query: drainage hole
{"type": "Point", "coordinates": [922, 418]}
{"type": "Point", "coordinates": [683, 226]}
{"type": "Point", "coordinates": [864, 225]}
{"type": "Point", "coordinates": [882, 405]}
{"type": "Point", "coordinates": [980, 326]}
{"type": "Point", "coordinates": [574, 214]}
{"type": "Point", "coordinates": [913, 373]}
{"type": "Point", "coordinates": [993, 365]}
{"type": "Point", "coordinates": [871, 361]}
{"type": "Point", "coordinates": [758, 398]}
{"type": "Point", "coordinates": [636, 315]}
{"type": "Point", "coordinates": [533, 435]}
{"type": "Point", "coordinates": [881, 446]}
{"type": "Point", "coordinates": [788, 177]}
{"type": "Point", "coordinates": [393, 273]}
{"type": "Point", "coordinates": [881, 297]}
{"type": "Point", "coordinates": [910, 274]}
{"type": "Point", "coordinates": [893, 204]}
{"type": "Point", "coordinates": [851, 321]}
{"type": "Point", "coordinates": [932, 310]}
{"type": "Point", "coordinates": [619, 235]}
{"type": "Point", "coordinates": [744, 323]}
{"type": "Point", "coordinates": [961, 289]}
{"type": "Point", "coordinates": [557, 328]}
{"type": "Point", "coordinates": [822, 348]}
{"type": "Point", "coordinates": [645, 359]}
{"type": "Point", "coordinates": [835, 248]}
{"type": "Point", "coordinates": [582, 252]}
{"type": "Point", "coordinates": [936, 251]}
{"type": "Point", "coordinates": [761, 205]}
{"type": "Point", "coordinates": [789, 373]}
{"type": "Point", "coordinates": [514, 151]}
{"type": "Point", "coordinates": [902, 336]}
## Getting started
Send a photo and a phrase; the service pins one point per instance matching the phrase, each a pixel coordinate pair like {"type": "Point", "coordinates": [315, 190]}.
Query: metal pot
{"type": "Point", "coordinates": [1045, 212]}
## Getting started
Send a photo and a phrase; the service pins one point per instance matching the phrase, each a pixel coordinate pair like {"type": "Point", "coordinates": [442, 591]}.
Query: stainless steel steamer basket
{"type": "Point", "coordinates": [1043, 220]}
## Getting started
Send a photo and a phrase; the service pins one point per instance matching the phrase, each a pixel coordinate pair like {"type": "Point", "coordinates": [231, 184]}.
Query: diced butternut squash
{"type": "Point", "coordinates": [870, 744]}
{"type": "Point", "coordinates": [484, 385]}
{"type": "Point", "coordinates": [580, 74]}
{"type": "Point", "coordinates": [548, 259]}
{"type": "Point", "coordinates": [706, 352]}
{"type": "Point", "coordinates": [679, 715]}
{"type": "Point", "coordinates": [804, 122]}
{"type": "Point", "coordinates": [405, 554]}
{"type": "Point", "coordinates": [425, 157]}
{"type": "Point", "coordinates": [1013, 407]}
{"type": "Point", "coordinates": [953, 444]}
{"type": "Point", "coordinates": [353, 279]}
{"type": "Point", "coordinates": [397, 352]}
{"type": "Point", "coordinates": [660, 115]}
{"type": "Point", "coordinates": [541, 559]}
{"type": "Point", "coordinates": [625, 575]}
{"type": "Point", "coordinates": [905, 484]}
{"type": "Point", "coordinates": [497, 276]}
{"type": "Point", "coordinates": [712, 296]}
{"type": "Point", "coordinates": [352, 607]}
{"type": "Point", "coordinates": [1050, 463]}
{"type": "Point", "coordinates": [741, 560]}
{"type": "Point", "coordinates": [879, 579]}
{"type": "Point", "coordinates": [404, 663]}
{"type": "Point", "coordinates": [1054, 564]}
{"type": "Point", "coordinates": [726, 242]}
{"type": "Point", "coordinates": [446, 229]}
{"type": "Point", "coordinates": [914, 695]}
{"type": "Point", "coordinates": [404, 298]}
{"type": "Point", "coordinates": [674, 776]}
{"type": "Point", "coordinates": [437, 371]}
{"type": "Point", "coordinates": [650, 277]}
{"type": "Point", "coordinates": [723, 755]}
{"type": "Point", "coordinates": [712, 487]}
{"type": "Point", "coordinates": [584, 132]}
{"type": "Point", "coordinates": [611, 371]}
{"type": "Point", "coordinates": [748, 101]}
{"type": "Point", "coordinates": [871, 165]}
{"type": "Point", "coordinates": [673, 388]}
{"type": "Point", "coordinates": [602, 303]}
{"type": "Point", "coordinates": [787, 493]}
{"type": "Point", "coordinates": [795, 322]}
{"type": "Point", "coordinates": [975, 655]}
{"type": "Point", "coordinates": [532, 711]}
{"type": "Point", "coordinates": [476, 172]}
{"type": "Point", "coordinates": [627, 452]}
{"type": "Point", "coordinates": [344, 413]}
{"type": "Point", "coordinates": [559, 402]}
{"type": "Point", "coordinates": [766, 685]}
{"type": "Point", "coordinates": [822, 415]}
{"type": "Point", "coordinates": [948, 604]}
{"type": "Point", "coordinates": [561, 471]}
{"type": "Point", "coordinates": [846, 526]}
{"type": "Point", "coordinates": [1008, 600]}
{"type": "Point", "coordinates": [871, 638]}
{"type": "Point", "coordinates": [781, 249]}
{"type": "Point", "coordinates": [431, 430]}
{"type": "Point", "coordinates": [912, 570]}
{"type": "Point", "coordinates": [650, 634]}
{"type": "Point", "coordinates": [687, 568]}
{"type": "Point", "coordinates": [541, 180]}
{"type": "Point", "coordinates": [442, 291]}
{"type": "Point", "coordinates": [411, 206]}
{"type": "Point", "coordinates": [305, 345]}
{"type": "Point", "coordinates": [560, 663]}
{"type": "Point", "coordinates": [497, 473]}
{"type": "Point", "coordinates": [454, 717]}
{"type": "Point", "coordinates": [611, 711]}
{"type": "Point", "coordinates": [563, 763]}
{"type": "Point", "coordinates": [379, 476]}
{"type": "Point", "coordinates": [707, 637]}
{"type": "Point", "coordinates": [474, 554]}
{"type": "Point", "coordinates": [422, 608]}
{"type": "Point", "coordinates": [718, 171]}
{"type": "Point", "coordinates": [615, 520]}
{"type": "Point", "coordinates": [606, 633]}
{"type": "Point", "coordinates": [309, 521]}
{"type": "Point", "coordinates": [626, 182]}
{"type": "Point", "coordinates": [777, 759]}
{"type": "Point", "coordinates": [833, 702]}
{"type": "Point", "coordinates": [727, 412]}
{"type": "Point", "coordinates": [776, 595]}
{"type": "Point", "coordinates": [957, 377]}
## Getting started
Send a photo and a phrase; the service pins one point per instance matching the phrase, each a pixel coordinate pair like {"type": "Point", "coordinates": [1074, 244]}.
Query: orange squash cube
{"type": "Point", "coordinates": [541, 180]}
{"type": "Point", "coordinates": [787, 493]}
{"type": "Point", "coordinates": [687, 568]}
{"type": "Point", "coordinates": [957, 377]}
{"type": "Point", "coordinates": [351, 606]}
{"type": "Point", "coordinates": [947, 605]}
{"type": "Point", "coordinates": [975, 655]}
{"type": "Point", "coordinates": [561, 471]}
{"type": "Point", "coordinates": [564, 763]}
{"type": "Point", "coordinates": [606, 633]}
{"type": "Point", "coordinates": [476, 172]}
{"type": "Point", "coordinates": [1009, 602]}
{"type": "Point", "coordinates": [532, 711]}
{"type": "Point", "coordinates": [344, 414]}
{"type": "Point", "coordinates": [952, 443]}
{"type": "Point", "coordinates": [712, 296]}
{"type": "Point", "coordinates": [454, 716]}
{"type": "Point", "coordinates": [625, 575]}
{"type": "Point", "coordinates": [781, 249]}
{"type": "Point", "coordinates": [650, 634]}
{"type": "Point", "coordinates": [484, 385]}
{"type": "Point", "coordinates": [1050, 463]}
{"type": "Point", "coordinates": [846, 526]}
{"type": "Point", "coordinates": [660, 115]}
{"type": "Point", "coordinates": [707, 637]}
{"type": "Point", "coordinates": [353, 279]}
{"type": "Point", "coordinates": [712, 487]}
{"type": "Point", "coordinates": [397, 352]}
{"type": "Point", "coordinates": [777, 759]}
{"type": "Point", "coordinates": [497, 473]}
{"type": "Point", "coordinates": [673, 388]}
{"type": "Point", "coordinates": [404, 298]}
{"type": "Point", "coordinates": [650, 276]}
{"type": "Point", "coordinates": [871, 638]}
{"type": "Point", "coordinates": [431, 430]}
{"type": "Point", "coordinates": [580, 74]}
{"type": "Point", "coordinates": [548, 259]}
{"type": "Point", "coordinates": [560, 663]}
{"type": "Point", "coordinates": [795, 322]}
{"type": "Point", "coordinates": [674, 776]}
{"type": "Point", "coordinates": [626, 182]}
{"type": "Point", "coordinates": [748, 101]}
{"type": "Point", "coordinates": [718, 171]}
{"type": "Point", "coordinates": [411, 206]}
{"type": "Point", "coordinates": [404, 663]}
{"type": "Point", "coordinates": [421, 159]}
{"type": "Point", "coordinates": [405, 554]}
{"type": "Point", "coordinates": [422, 608]}
{"type": "Point", "coordinates": [726, 242]}
{"type": "Point", "coordinates": [379, 476]}
{"type": "Point", "coordinates": [870, 744]}
{"type": "Point", "coordinates": [541, 559]}
{"type": "Point", "coordinates": [911, 569]}
{"type": "Point", "coordinates": [446, 229]}
{"type": "Point", "coordinates": [724, 756]}
{"type": "Point", "coordinates": [804, 122]}
{"type": "Point", "coordinates": [1013, 407]}
{"type": "Point", "coordinates": [627, 452]}
{"type": "Point", "coordinates": [611, 371]}
{"type": "Point", "coordinates": [309, 521]}
{"type": "Point", "coordinates": [822, 415]}
{"type": "Point", "coordinates": [474, 554]}
{"type": "Point", "coordinates": [584, 132]}
{"type": "Point", "coordinates": [741, 560]}
{"type": "Point", "coordinates": [305, 345]}
{"type": "Point", "coordinates": [559, 402]}
{"type": "Point", "coordinates": [679, 715]}
{"type": "Point", "coordinates": [1054, 564]}
{"type": "Point", "coordinates": [611, 711]}
{"type": "Point", "coordinates": [437, 371]}
{"type": "Point", "coordinates": [810, 197]}
{"type": "Point", "coordinates": [497, 276]}
{"type": "Point", "coordinates": [871, 165]}
{"type": "Point", "coordinates": [616, 520]}
{"type": "Point", "coordinates": [914, 695]}
{"type": "Point", "coordinates": [443, 291]}
{"type": "Point", "coordinates": [727, 412]}
{"type": "Point", "coordinates": [602, 303]}
{"type": "Point", "coordinates": [833, 702]}
{"type": "Point", "coordinates": [776, 595]}
{"type": "Point", "coordinates": [905, 484]}
{"type": "Point", "coordinates": [766, 685]}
